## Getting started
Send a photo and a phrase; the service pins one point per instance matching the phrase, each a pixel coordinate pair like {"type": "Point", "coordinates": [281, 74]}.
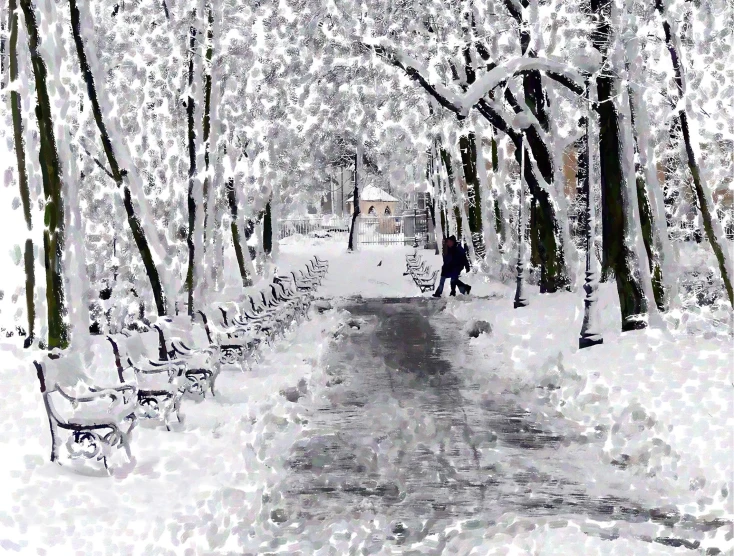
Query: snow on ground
{"type": "Point", "coordinates": [201, 488]}
{"type": "Point", "coordinates": [662, 401]}
{"type": "Point", "coordinates": [361, 274]}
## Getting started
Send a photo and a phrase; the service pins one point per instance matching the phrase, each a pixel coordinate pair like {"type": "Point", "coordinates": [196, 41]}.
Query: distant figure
{"type": "Point", "coordinates": [454, 261]}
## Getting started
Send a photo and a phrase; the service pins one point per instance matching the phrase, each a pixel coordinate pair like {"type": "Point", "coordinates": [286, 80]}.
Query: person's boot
{"type": "Point", "coordinates": [467, 290]}
{"type": "Point", "coordinates": [453, 294]}
{"type": "Point", "coordinates": [436, 294]}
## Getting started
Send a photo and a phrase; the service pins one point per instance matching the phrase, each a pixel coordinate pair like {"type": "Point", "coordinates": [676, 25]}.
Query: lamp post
{"type": "Point", "coordinates": [520, 299]}
{"type": "Point", "coordinates": [590, 332]}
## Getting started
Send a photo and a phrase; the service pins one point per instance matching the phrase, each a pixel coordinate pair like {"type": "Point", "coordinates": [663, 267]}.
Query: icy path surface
{"type": "Point", "coordinates": [402, 447]}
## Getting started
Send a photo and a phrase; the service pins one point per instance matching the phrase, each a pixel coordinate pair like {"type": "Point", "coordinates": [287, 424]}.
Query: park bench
{"type": "Point", "coordinates": [420, 272]}
{"type": "Point", "coordinates": [280, 316]}
{"type": "Point", "coordinates": [286, 290]}
{"type": "Point", "coordinates": [321, 263]}
{"type": "Point", "coordinates": [235, 342]}
{"type": "Point", "coordinates": [426, 283]}
{"type": "Point", "coordinates": [161, 383]}
{"type": "Point", "coordinates": [184, 340]}
{"type": "Point", "coordinates": [89, 419]}
{"type": "Point", "coordinates": [311, 276]}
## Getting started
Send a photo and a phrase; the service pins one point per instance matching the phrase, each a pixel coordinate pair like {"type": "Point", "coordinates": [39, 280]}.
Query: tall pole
{"type": "Point", "coordinates": [520, 298]}
{"type": "Point", "coordinates": [415, 225]}
{"type": "Point", "coordinates": [590, 332]}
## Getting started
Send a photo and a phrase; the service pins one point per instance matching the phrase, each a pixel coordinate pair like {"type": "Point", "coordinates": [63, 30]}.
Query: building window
{"type": "Point", "coordinates": [387, 211]}
{"type": "Point", "coordinates": [372, 211]}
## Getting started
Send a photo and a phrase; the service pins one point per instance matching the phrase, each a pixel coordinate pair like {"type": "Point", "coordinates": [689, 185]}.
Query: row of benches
{"type": "Point", "coordinates": [421, 273]}
{"type": "Point", "coordinates": [95, 396]}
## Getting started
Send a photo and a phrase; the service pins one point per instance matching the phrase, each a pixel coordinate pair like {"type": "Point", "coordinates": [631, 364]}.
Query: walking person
{"type": "Point", "coordinates": [454, 261]}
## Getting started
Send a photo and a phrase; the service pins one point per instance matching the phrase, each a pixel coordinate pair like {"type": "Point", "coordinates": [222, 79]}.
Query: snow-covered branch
{"type": "Point", "coordinates": [570, 77]}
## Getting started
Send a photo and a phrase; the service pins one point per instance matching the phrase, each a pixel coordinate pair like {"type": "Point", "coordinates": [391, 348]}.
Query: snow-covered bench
{"type": "Point", "coordinates": [234, 343]}
{"type": "Point", "coordinates": [187, 341]}
{"type": "Point", "coordinates": [90, 418]}
{"type": "Point", "coordinates": [420, 272]}
{"type": "Point", "coordinates": [161, 383]}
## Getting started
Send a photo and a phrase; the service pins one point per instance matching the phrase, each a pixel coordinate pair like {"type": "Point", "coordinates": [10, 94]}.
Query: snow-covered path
{"type": "Point", "coordinates": [402, 452]}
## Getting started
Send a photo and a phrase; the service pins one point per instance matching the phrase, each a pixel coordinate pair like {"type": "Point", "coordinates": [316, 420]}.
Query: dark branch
{"type": "Point", "coordinates": [415, 75]}
{"type": "Point", "coordinates": [90, 155]}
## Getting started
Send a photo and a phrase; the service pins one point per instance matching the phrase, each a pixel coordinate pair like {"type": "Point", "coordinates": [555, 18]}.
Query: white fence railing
{"type": "Point", "coordinates": [410, 229]}
{"type": "Point", "coordinates": [315, 227]}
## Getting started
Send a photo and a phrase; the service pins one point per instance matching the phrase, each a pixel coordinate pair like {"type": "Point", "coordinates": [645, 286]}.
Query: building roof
{"type": "Point", "coordinates": [373, 193]}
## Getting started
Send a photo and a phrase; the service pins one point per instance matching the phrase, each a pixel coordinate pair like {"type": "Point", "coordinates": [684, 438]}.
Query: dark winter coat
{"type": "Point", "coordinates": [454, 261]}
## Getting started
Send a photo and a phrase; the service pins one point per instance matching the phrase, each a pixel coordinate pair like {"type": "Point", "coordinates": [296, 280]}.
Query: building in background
{"type": "Point", "coordinates": [374, 201]}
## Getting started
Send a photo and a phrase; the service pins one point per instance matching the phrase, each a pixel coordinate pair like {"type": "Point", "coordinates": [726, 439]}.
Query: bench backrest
{"type": "Point", "coordinates": [71, 374]}
{"type": "Point", "coordinates": [133, 347]}
{"type": "Point", "coordinates": [193, 333]}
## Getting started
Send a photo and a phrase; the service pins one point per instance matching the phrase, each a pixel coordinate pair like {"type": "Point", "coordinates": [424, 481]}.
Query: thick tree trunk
{"type": "Point", "coordinates": [704, 198]}
{"type": "Point", "coordinates": [468, 150]}
{"type": "Point", "coordinates": [118, 173]}
{"type": "Point", "coordinates": [487, 198]}
{"type": "Point", "coordinates": [267, 231]}
{"type": "Point", "coordinates": [53, 235]}
{"type": "Point", "coordinates": [238, 236]}
{"type": "Point", "coordinates": [24, 190]}
{"type": "Point", "coordinates": [453, 200]}
{"type": "Point", "coordinates": [549, 232]}
{"type": "Point", "coordinates": [619, 253]}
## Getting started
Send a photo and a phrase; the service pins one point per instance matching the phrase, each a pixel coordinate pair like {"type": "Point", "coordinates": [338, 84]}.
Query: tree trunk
{"type": "Point", "coordinates": [468, 151]}
{"type": "Point", "coordinates": [53, 235]}
{"type": "Point", "coordinates": [205, 273]}
{"type": "Point", "coordinates": [207, 123]}
{"type": "Point", "coordinates": [551, 248]}
{"type": "Point", "coordinates": [191, 196]}
{"type": "Point", "coordinates": [704, 198]}
{"type": "Point", "coordinates": [355, 204]}
{"type": "Point", "coordinates": [267, 231]}
{"type": "Point", "coordinates": [535, 258]}
{"type": "Point", "coordinates": [487, 196]}
{"type": "Point", "coordinates": [118, 173]}
{"type": "Point", "coordinates": [453, 202]}
{"type": "Point", "coordinates": [240, 246]}
{"type": "Point", "coordinates": [617, 220]}
{"type": "Point", "coordinates": [649, 189]}
{"type": "Point", "coordinates": [436, 210]}
{"type": "Point", "coordinates": [501, 209]}
{"type": "Point", "coordinates": [25, 194]}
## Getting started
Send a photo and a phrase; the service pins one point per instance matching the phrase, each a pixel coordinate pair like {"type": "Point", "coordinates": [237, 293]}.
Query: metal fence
{"type": "Point", "coordinates": [315, 227]}
{"type": "Point", "coordinates": [409, 229]}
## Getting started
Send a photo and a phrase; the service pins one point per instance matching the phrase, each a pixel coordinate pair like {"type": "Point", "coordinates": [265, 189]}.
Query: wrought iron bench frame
{"type": "Point", "coordinates": [154, 403]}
{"type": "Point", "coordinates": [86, 433]}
